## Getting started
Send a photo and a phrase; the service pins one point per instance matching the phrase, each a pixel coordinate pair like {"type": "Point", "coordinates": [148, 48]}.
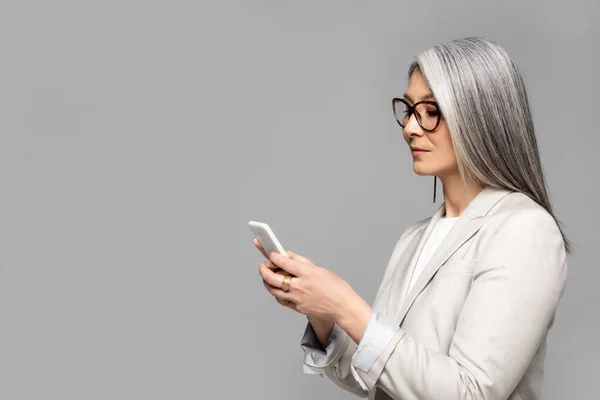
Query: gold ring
{"type": "Point", "coordinates": [285, 285]}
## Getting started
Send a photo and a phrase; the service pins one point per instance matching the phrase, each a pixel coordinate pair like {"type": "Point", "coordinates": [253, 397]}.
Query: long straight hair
{"type": "Point", "coordinates": [482, 96]}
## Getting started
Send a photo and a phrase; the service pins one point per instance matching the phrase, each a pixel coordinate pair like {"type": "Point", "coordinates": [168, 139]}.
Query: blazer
{"type": "Point", "coordinates": [475, 324]}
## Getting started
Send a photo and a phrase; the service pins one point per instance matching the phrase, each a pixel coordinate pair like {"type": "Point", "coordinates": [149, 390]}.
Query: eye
{"type": "Point", "coordinates": [432, 110]}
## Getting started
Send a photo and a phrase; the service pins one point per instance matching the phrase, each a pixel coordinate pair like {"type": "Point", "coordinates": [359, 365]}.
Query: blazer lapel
{"type": "Point", "coordinates": [465, 227]}
{"type": "Point", "coordinates": [406, 264]}
{"type": "Point", "coordinates": [389, 292]}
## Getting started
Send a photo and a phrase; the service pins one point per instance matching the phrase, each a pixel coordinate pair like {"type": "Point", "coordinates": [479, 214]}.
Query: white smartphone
{"type": "Point", "coordinates": [266, 237]}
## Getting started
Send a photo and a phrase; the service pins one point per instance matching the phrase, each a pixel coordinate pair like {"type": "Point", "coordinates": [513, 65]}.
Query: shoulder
{"type": "Point", "coordinates": [519, 214]}
{"type": "Point", "coordinates": [416, 227]}
{"type": "Point", "coordinates": [518, 231]}
{"type": "Point", "coordinates": [409, 233]}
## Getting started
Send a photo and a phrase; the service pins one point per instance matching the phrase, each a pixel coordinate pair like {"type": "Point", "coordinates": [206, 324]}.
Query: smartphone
{"type": "Point", "coordinates": [266, 237]}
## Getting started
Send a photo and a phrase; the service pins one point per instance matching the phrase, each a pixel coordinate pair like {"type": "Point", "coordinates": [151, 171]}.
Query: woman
{"type": "Point", "coordinates": [469, 295]}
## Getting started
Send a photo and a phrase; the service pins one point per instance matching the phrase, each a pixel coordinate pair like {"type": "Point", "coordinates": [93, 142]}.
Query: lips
{"type": "Point", "coordinates": [418, 149]}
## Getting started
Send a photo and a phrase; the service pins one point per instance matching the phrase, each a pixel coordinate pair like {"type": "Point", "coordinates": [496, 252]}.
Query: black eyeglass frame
{"type": "Point", "coordinates": [413, 110]}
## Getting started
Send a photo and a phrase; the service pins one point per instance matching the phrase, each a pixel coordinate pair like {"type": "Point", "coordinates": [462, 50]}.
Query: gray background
{"type": "Point", "coordinates": [138, 138]}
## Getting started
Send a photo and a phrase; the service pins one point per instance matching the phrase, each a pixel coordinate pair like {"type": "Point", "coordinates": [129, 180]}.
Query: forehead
{"type": "Point", "coordinates": [417, 86]}
{"type": "Point", "coordinates": [418, 89]}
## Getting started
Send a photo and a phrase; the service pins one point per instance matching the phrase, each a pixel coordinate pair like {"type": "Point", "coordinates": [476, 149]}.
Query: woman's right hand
{"type": "Point", "coordinates": [314, 320]}
{"type": "Point", "coordinates": [321, 326]}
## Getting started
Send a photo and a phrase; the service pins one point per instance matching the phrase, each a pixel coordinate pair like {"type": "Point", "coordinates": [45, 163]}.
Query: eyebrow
{"type": "Point", "coordinates": [427, 96]}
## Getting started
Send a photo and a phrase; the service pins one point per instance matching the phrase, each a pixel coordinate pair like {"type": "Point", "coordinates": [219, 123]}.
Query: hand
{"type": "Point", "coordinates": [320, 294]}
{"type": "Point", "coordinates": [314, 291]}
{"type": "Point", "coordinates": [282, 274]}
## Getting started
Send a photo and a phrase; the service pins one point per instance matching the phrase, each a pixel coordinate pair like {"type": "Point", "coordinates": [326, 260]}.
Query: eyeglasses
{"type": "Point", "coordinates": [427, 113]}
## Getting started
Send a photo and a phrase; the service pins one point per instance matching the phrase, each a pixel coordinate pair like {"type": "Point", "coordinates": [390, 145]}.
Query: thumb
{"type": "Point", "coordinates": [298, 257]}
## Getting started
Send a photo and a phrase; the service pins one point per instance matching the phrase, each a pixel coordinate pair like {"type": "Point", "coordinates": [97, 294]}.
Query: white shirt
{"type": "Point", "coordinates": [438, 234]}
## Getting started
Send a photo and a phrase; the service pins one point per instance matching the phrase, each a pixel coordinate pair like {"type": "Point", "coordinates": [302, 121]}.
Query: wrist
{"type": "Point", "coordinates": [318, 321]}
{"type": "Point", "coordinates": [322, 329]}
{"type": "Point", "coordinates": [354, 317]}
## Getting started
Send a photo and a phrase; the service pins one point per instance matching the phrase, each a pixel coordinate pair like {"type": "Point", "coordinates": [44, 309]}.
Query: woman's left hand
{"type": "Point", "coordinates": [314, 290]}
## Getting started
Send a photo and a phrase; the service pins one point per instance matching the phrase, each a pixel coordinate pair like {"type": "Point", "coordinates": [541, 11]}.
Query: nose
{"type": "Point", "coordinates": [412, 127]}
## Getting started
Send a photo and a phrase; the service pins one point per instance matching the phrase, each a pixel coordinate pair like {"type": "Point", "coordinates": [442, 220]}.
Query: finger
{"type": "Point", "coordinates": [259, 247]}
{"type": "Point", "coordinates": [283, 275]}
{"type": "Point", "coordinates": [288, 304]}
{"type": "Point", "coordinates": [285, 303]}
{"type": "Point", "coordinates": [272, 266]}
{"type": "Point", "coordinates": [266, 285]}
{"type": "Point", "coordinates": [294, 267]}
{"type": "Point", "coordinates": [292, 306]}
{"type": "Point", "coordinates": [271, 289]}
{"type": "Point", "coordinates": [299, 258]}
{"type": "Point", "coordinates": [272, 278]}
{"type": "Point", "coordinates": [280, 294]}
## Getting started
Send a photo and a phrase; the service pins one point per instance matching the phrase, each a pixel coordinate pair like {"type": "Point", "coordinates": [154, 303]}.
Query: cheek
{"type": "Point", "coordinates": [444, 150]}
{"type": "Point", "coordinates": [443, 141]}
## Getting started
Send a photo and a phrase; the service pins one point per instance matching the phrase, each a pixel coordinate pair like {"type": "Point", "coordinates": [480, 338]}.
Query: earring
{"type": "Point", "coordinates": [434, 187]}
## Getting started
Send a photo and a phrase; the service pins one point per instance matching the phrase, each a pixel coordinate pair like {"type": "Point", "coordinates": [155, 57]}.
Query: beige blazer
{"type": "Point", "coordinates": [475, 324]}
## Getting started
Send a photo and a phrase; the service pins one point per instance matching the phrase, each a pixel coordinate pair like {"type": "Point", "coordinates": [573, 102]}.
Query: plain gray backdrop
{"type": "Point", "coordinates": [138, 138]}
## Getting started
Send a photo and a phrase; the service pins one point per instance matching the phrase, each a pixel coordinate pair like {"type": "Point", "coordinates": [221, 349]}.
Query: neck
{"type": "Point", "coordinates": [456, 198]}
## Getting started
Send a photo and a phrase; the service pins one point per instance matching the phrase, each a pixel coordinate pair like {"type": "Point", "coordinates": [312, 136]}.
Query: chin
{"type": "Point", "coordinates": [422, 171]}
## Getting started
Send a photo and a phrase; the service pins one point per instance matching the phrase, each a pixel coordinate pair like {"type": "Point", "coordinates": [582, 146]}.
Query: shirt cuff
{"type": "Point", "coordinates": [316, 358]}
{"type": "Point", "coordinates": [376, 337]}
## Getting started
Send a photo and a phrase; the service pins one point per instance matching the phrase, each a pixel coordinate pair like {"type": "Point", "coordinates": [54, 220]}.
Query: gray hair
{"type": "Point", "coordinates": [482, 96]}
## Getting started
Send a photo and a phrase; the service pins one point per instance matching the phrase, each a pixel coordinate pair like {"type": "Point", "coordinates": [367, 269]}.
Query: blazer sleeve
{"type": "Point", "coordinates": [333, 361]}
{"type": "Point", "coordinates": [336, 361]}
{"type": "Point", "coordinates": [516, 288]}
